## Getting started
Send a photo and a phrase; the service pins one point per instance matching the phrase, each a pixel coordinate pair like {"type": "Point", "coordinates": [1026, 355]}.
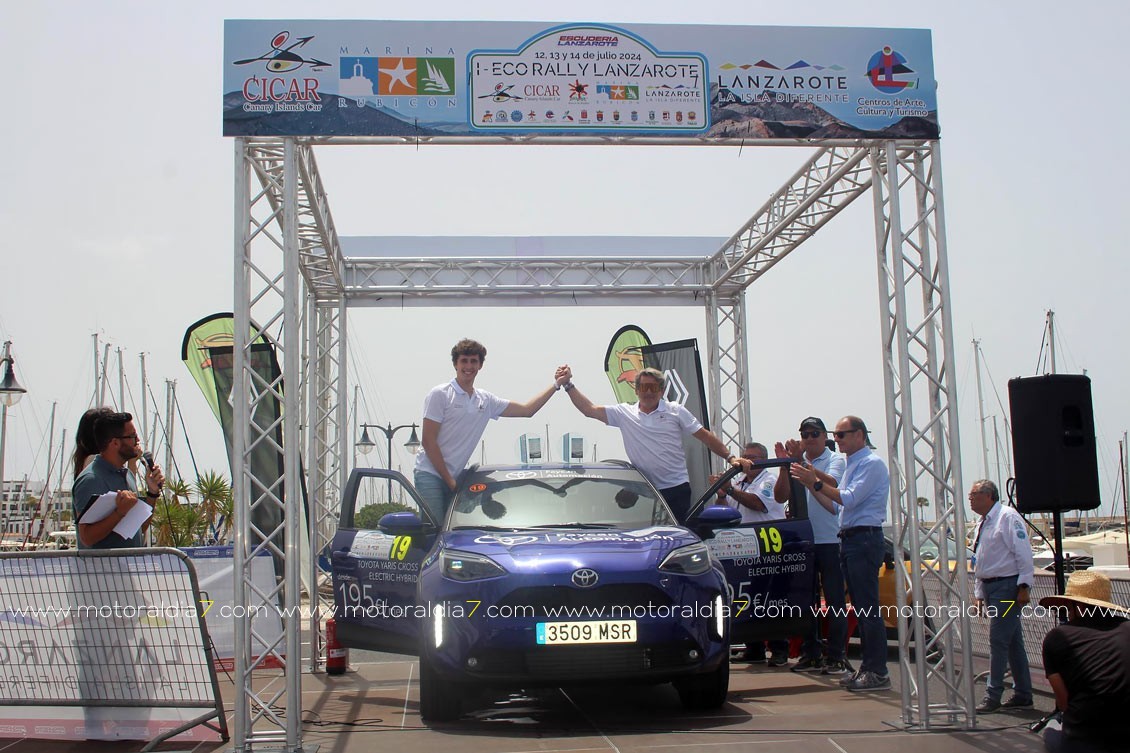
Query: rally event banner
{"type": "Point", "coordinates": [405, 79]}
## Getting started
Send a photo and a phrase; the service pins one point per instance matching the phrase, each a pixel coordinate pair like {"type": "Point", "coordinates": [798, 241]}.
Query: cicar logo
{"type": "Point", "coordinates": [283, 58]}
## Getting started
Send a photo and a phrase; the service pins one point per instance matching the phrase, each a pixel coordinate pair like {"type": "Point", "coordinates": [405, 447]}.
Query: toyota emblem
{"type": "Point", "coordinates": [585, 578]}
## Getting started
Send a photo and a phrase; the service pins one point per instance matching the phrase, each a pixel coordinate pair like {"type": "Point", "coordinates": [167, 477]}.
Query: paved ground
{"type": "Point", "coordinates": [373, 709]}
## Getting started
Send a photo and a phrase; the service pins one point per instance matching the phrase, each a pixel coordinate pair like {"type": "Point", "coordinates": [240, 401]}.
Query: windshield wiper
{"type": "Point", "coordinates": [482, 528]}
{"type": "Point", "coordinates": [576, 525]}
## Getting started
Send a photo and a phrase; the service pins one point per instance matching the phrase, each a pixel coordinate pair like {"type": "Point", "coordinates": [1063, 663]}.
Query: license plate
{"type": "Point", "coordinates": [600, 631]}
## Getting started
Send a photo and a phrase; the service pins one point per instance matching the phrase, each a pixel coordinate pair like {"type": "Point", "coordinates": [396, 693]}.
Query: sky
{"type": "Point", "coordinates": [116, 216]}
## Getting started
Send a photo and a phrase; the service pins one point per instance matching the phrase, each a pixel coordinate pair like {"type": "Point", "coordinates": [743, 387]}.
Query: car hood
{"type": "Point", "coordinates": [525, 549]}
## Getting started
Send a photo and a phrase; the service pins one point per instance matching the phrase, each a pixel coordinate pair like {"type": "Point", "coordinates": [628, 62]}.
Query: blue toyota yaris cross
{"type": "Point", "coordinates": [552, 575]}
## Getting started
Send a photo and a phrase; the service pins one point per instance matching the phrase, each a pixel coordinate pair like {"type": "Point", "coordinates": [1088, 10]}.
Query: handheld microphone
{"type": "Point", "coordinates": [147, 458]}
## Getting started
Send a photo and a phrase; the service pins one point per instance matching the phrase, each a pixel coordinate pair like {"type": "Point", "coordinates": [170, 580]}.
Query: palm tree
{"type": "Point", "coordinates": [168, 521]}
{"type": "Point", "coordinates": [214, 491]}
{"type": "Point", "coordinates": [178, 525]}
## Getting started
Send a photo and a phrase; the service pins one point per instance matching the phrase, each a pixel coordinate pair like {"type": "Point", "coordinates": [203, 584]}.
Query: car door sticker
{"type": "Point", "coordinates": [734, 543]}
{"type": "Point", "coordinates": [372, 545]}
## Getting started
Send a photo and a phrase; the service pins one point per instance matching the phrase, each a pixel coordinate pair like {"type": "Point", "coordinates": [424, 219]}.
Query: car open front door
{"type": "Point", "coordinates": [770, 567]}
{"type": "Point", "coordinates": [374, 569]}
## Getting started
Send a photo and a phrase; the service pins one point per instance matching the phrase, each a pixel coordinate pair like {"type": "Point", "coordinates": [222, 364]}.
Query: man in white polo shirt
{"type": "Point", "coordinates": [455, 416]}
{"type": "Point", "coordinates": [653, 432]}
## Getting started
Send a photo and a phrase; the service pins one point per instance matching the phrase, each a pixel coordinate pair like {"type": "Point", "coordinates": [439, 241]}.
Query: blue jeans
{"type": "Point", "coordinates": [1006, 640]}
{"type": "Point", "coordinates": [830, 579]}
{"type": "Point", "coordinates": [861, 554]}
{"type": "Point", "coordinates": [433, 490]}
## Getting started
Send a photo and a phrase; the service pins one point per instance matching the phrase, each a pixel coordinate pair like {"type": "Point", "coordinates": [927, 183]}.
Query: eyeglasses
{"type": "Point", "coordinates": [842, 434]}
{"type": "Point", "coordinates": [755, 458]}
{"type": "Point", "coordinates": [134, 437]}
{"type": "Point", "coordinates": [812, 434]}
{"type": "Point", "coordinates": [647, 388]}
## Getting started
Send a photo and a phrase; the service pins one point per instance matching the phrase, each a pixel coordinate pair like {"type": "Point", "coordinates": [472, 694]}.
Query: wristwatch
{"type": "Point", "coordinates": [568, 386]}
{"type": "Point", "coordinates": [152, 495]}
{"type": "Point", "coordinates": [818, 485]}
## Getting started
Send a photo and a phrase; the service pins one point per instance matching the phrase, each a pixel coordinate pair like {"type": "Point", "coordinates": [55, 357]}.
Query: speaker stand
{"type": "Point", "coordinates": [1057, 527]}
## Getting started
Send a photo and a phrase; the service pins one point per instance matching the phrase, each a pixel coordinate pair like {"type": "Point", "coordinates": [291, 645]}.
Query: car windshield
{"type": "Point", "coordinates": [558, 497]}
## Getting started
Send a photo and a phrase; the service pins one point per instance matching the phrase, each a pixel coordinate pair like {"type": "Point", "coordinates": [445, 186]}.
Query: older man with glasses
{"type": "Point", "coordinates": [863, 494]}
{"type": "Point", "coordinates": [653, 435]}
{"type": "Point", "coordinates": [117, 443]}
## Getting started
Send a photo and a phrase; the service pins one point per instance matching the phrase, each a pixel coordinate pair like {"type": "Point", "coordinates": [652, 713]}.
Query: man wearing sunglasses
{"type": "Point", "coordinates": [863, 494]}
{"type": "Point", "coordinates": [653, 435]}
{"type": "Point", "coordinates": [828, 468]}
{"type": "Point", "coordinates": [117, 443]}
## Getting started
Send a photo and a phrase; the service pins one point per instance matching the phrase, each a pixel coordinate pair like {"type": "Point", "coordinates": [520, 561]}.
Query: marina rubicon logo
{"type": "Point", "coordinates": [887, 70]}
{"type": "Point", "coordinates": [410, 76]}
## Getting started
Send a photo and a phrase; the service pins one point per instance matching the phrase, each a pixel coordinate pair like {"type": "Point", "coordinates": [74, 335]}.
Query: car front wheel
{"type": "Point", "coordinates": [705, 691]}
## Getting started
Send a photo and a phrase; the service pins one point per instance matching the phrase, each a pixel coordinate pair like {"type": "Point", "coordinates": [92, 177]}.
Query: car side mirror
{"type": "Point", "coordinates": [397, 523]}
{"type": "Point", "coordinates": [717, 516]}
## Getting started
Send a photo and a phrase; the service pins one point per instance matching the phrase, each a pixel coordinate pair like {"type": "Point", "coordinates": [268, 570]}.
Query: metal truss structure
{"type": "Point", "coordinates": [293, 281]}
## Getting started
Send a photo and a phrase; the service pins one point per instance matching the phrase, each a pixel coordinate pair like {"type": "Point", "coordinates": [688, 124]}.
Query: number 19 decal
{"type": "Point", "coordinates": [400, 547]}
{"type": "Point", "coordinates": [771, 540]}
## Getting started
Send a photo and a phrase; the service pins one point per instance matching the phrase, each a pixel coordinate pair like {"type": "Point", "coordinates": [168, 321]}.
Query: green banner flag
{"type": "Point", "coordinates": [623, 361]}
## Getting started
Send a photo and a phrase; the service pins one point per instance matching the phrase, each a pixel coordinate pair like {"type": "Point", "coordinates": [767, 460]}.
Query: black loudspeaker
{"type": "Point", "coordinates": [1053, 442]}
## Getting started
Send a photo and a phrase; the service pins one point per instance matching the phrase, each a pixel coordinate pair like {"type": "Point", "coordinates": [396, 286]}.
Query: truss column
{"type": "Point", "coordinates": [241, 415]}
{"type": "Point", "coordinates": [728, 368]}
{"type": "Point", "coordinates": [267, 291]}
{"type": "Point", "coordinates": [919, 441]}
{"type": "Point", "coordinates": [950, 507]}
{"type": "Point", "coordinates": [325, 430]}
{"type": "Point", "coordinates": [292, 442]}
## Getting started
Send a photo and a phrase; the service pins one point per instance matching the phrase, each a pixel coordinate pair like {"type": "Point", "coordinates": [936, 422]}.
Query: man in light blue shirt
{"type": "Point", "coordinates": [864, 494]}
{"type": "Point", "coordinates": [828, 467]}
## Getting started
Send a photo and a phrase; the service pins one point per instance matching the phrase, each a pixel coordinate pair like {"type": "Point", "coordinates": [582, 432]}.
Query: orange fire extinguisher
{"type": "Point", "coordinates": [337, 655]}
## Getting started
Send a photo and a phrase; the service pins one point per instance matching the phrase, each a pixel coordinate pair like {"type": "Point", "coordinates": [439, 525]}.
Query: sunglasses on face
{"type": "Point", "coordinates": [134, 437]}
{"type": "Point", "coordinates": [647, 388]}
{"type": "Point", "coordinates": [812, 434]}
{"type": "Point", "coordinates": [842, 434]}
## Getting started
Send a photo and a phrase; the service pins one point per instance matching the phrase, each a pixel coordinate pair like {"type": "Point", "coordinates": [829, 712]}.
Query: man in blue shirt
{"type": "Point", "coordinates": [828, 467]}
{"type": "Point", "coordinates": [864, 494]}
{"type": "Point", "coordinates": [117, 443]}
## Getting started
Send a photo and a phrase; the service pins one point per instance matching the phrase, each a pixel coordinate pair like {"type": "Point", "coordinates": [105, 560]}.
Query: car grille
{"type": "Point", "coordinates": [552, 600]}
{"type": "Point", "coordinates": [562, 663]}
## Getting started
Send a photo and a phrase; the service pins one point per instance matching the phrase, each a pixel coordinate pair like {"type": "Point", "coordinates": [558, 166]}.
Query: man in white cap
{"type": "Point", "coordinates": [1087, 661]}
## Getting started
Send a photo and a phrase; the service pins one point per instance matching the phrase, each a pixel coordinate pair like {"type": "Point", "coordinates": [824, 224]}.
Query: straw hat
{"type": "Point", "coordinates": [1089, 588]}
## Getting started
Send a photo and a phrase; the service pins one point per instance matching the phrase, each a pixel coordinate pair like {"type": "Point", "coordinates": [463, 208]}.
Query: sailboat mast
{"type": "Point", "coordinates": [121, 383]}
{"type": "Point", "coordinates": [1051, 339]}
{"type": "Point", "coordinates": [97, 370]}
{"type": "Point", "coordinates": [144, 401]}
{"type": "Point", "coordinates": [170, 419]}
{"type": "Point", "coordinates": [981, 409]}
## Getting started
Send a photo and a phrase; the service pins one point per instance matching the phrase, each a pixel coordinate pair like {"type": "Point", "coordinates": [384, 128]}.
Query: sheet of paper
{"type": "Point", "coordinates": [127, 526]}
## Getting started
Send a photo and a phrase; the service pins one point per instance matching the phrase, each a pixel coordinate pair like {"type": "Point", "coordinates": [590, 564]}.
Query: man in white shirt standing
{"type": "Point", "coordinates": [653, 432]}
{"type": "Point", "coordinates": [1003, 568]}
{"type": "Point", "coordinates": [455, 416]}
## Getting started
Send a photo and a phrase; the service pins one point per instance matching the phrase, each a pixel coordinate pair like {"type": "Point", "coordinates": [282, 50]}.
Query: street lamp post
{"type": "Point", "coordinates": [365, 445]}
{"type": "Point", "coordinates": [10, 394]}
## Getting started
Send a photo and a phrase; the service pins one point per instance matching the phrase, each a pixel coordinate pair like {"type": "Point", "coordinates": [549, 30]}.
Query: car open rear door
{"type": "Point", "coordinates": [374, 570]}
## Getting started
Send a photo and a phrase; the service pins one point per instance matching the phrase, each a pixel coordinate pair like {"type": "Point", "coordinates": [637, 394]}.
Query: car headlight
{"type": "Point", "coordinates": [693, 559]}
{"type": "Point", "coordinates": [466, 566]}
